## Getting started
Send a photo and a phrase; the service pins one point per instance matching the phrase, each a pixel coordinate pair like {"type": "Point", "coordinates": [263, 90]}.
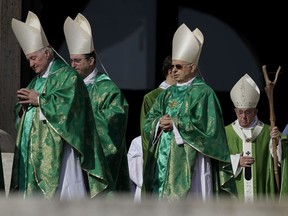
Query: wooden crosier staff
{"type": "Point", "coordinates": [269, 91]}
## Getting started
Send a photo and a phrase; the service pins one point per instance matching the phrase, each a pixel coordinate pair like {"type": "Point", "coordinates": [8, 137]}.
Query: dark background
{"type": "Point", "coordinates": [261, 27]}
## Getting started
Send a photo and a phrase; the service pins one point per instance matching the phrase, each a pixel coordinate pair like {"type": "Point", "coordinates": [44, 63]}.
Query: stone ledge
{"type": "Point", "coordinates": [125, 206]}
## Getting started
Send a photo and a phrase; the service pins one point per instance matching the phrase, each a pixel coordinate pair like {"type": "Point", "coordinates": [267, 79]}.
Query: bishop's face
{"type": "Point", "coordinates": [183, 71]}
{"type": "Point", "coordinates": [39, 60]}
{"type": "Point", "coordinates": [246, 116]}
{"type": "Point", "coordinates": [83, 65]}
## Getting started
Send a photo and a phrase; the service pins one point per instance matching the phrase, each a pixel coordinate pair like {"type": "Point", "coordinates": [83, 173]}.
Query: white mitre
{"type": "Point", "coordinates": [187, 45]}
{"type": "Point", "coordinates": [30, 34]}
{"type": "Point", "coordinates": [245, 93]}
{"type": "Point", "coordinates": [78, 35]}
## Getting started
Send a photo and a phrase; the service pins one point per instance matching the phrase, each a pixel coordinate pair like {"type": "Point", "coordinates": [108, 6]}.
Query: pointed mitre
{"type": "Point", "coordinates": [78, 35]}
{"type": "Point", "coordinates": [30, 34]}
{"type": "Point", "coordinates": [187, 45]}
{"type": "Point", "coordinates": [245, 93]}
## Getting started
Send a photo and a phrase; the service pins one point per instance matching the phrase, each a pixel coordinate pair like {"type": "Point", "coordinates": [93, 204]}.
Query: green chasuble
{"type": "Point", "coordinates": [147, 103]}
{"type": "Point", "coordinates": [261, 184]}
{"type": "Point", "coordinates": [110, 110]}
{"type": "Point", "coordinates": [64, 101]}
{"type": "Point", "coordinates": [197, 114]}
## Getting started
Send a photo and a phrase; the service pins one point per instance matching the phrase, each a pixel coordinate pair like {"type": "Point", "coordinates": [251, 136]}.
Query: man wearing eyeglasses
{"type": "Point", "coordinates": [250, 145]}
{"type": "Point", "coordinates": [108, 102]}
{"type": "Point", "coordinates": [187, 156]}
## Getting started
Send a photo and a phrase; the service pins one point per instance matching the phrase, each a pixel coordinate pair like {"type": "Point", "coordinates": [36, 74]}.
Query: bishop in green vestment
{"type": "Point", "coordinates": [187, 156]}
{"type": "Point", "coordinates": [109, 105]}
{"type": "Point", "coordinates": [250, 145]}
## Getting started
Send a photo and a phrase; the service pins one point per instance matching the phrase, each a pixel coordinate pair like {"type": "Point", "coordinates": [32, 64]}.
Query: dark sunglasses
{"type": "Point", "coordinates": [179, 66]}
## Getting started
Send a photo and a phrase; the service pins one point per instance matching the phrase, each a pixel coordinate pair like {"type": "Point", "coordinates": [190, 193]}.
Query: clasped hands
{"type": "Point", "coordinates": [27, 97]}
{"type": "Point", "coordinates": [166, 123]}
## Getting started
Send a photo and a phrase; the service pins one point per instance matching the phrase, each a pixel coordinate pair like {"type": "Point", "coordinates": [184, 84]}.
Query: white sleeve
{"type": "Point", "coordinates": [278, 150]}
{"type": "Point", "coordinates": [135, 161]}
{"type": "Point", "coordinates": [177, 135]}
{"type": "Point", "coordinates": [235, 164]}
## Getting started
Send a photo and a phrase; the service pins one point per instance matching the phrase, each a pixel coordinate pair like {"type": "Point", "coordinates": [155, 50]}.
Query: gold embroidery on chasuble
{"type": "Point", "coordinates": [186, 104]}
{"type": "Point", "coordinates": [62, 119]}
{"type": "Point", "coordinates": [173, 104]}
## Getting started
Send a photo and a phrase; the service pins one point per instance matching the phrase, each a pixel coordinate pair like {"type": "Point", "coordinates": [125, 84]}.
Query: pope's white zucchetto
{"type": "Point", "coordinates": [245, 93]}
{"type": "Point", "coordinates": [78, 35]}
{"type": "Point", "coordinates": [187, 45]}
{"type": "Point", "coordinates": [30, 34]}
